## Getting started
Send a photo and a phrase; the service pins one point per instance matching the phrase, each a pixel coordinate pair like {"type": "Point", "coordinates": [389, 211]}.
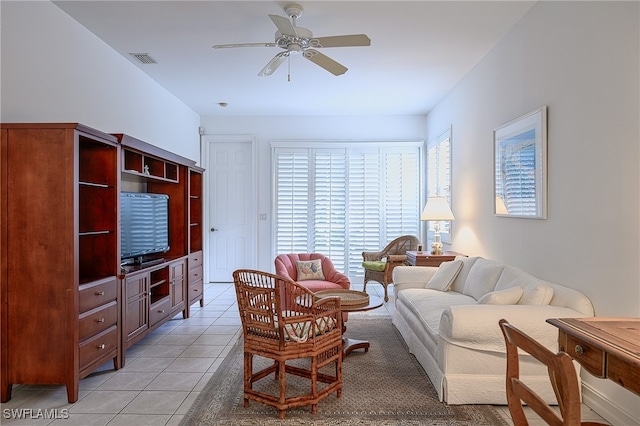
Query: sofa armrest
{"type": "Point", "coordinates": [411, 276]}
{"type": "Point", "coordinates": [476, 326]}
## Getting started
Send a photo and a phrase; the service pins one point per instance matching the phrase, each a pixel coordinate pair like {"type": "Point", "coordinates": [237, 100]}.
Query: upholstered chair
{"type": "Point", "coordinates": [314, 271]}
{"type": "Point", "coordinates": [378, 265]}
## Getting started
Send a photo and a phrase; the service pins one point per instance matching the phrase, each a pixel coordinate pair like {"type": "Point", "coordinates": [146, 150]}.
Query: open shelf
{"type": "Point", "coordinates": [147, 166]}
{"type": "Point", "coordinates": [196, 226]}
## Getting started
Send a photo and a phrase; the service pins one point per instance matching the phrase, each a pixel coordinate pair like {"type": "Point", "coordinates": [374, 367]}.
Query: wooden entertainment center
{"type": "Point", "coordinates": [68, 303]}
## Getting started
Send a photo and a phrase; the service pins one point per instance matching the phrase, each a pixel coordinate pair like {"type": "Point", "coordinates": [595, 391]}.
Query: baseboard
{"type": "Point", "coordinates": [606, 408]}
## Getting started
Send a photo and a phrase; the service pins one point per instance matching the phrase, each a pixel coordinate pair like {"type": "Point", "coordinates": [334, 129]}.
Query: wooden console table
{"type": "Point", "coordinates": [605, 347]}
{"type": "Point", "coordinates": [427, 259]}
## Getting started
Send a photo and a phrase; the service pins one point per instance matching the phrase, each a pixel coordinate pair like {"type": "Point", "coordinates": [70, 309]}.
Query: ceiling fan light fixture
{"type": "Point", "coordinates": [293, 39]}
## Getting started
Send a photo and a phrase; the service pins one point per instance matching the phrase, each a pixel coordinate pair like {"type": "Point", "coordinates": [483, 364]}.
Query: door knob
{"type": "Point", "coordinates": [213, 229]}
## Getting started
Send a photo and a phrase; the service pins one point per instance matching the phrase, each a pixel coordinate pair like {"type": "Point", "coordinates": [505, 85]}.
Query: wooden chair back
{"type": "Point", "coordinates": [562, 374]}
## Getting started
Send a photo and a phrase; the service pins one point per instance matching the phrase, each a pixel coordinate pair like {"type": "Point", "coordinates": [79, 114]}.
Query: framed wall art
{"type": "Point", "coordinates": [520, 166]}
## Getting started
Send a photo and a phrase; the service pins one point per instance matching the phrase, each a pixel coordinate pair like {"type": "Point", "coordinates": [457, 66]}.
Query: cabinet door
{"type": "Point", "coordinates": [177, 277]}
{"type": "Point", "coordinates": [136, 312]}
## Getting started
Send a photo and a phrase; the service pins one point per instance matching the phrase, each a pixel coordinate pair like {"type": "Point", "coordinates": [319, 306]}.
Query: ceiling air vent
{"type": "Point", "coordinates": [143, 58]}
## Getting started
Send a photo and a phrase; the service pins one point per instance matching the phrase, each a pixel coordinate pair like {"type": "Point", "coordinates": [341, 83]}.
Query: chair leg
{"type": "Point", "coordinates": [386, 296]}
{"type": "Point", "coordinates": [283, 385]}
{"type": "Point", "coordinates": [248, 372]}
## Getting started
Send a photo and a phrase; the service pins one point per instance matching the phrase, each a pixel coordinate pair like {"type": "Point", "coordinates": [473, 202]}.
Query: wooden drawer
{"type": "Point", "coordinates": [195, 274]}
{"type": "Point", "coordinates": [590, 357]}
{"type": "Point", "coordinates": [98, 319]}
{"type": "Point", "coordinates": [97, 294]}
{"type": "Point", "coordinates": [621, 371]}
{"type": "Point", "coordinates": [98, 346]}
{"type": "Point", "coordinates": [159, 310]}
{"type": "Point", "coordinates": [195, 259]}
{"type": "Point", "coordinates": [195, 290]}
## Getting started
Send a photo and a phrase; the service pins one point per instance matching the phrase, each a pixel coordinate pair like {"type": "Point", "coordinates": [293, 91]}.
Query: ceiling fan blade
{"type": "Point", "coordinates": [341, 41]}
{"type": "Point", "coordinates": [226, 46]}
{"type": "Point", "coordinates": [273, 64]}
{"type": "Point", "coordinates": [325, 62]}
{"type": "Point", "coordinates": [284, 25]}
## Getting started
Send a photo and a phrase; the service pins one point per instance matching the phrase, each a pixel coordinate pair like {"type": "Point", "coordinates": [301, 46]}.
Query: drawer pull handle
{"type": "Point", "coordinates": [195, 289]}
{"type": "Point", "coordinates": [99, 293]}
{"type": "Point", "coordinates": [196, 275]}
{"type": "Point", "coordinates": [161, 311]}
{"type": "Point", "coordinates": [102, 346]}
{"type": "Point", "coordinates": [100, 320]}
{"type": "Point", "coordinates": [579, 350]}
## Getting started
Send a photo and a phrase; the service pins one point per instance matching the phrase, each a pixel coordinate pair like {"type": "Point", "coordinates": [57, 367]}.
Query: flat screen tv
{"type": "Point", "coordinates": [144, 224]}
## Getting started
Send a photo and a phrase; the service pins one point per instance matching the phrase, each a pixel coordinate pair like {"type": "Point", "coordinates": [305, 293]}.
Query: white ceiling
{"type": "Point", "coordinates": [419, 51]}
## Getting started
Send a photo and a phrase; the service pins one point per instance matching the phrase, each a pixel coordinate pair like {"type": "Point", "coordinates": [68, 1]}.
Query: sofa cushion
{"type": "Point", "coordinates": [444, 276]}
{"type": "Point", "coordinates": [482, 278]}
{"type": "Point", "coordinates": [467, 264]}
{"type": "Point", "coordinates": [428, 305]}
{"type": "Point", "coordinates": [535, 292]}
{"type": "Point", "coordinates": [309, 269]}
{"type": "Point", "coordinates": [508, 296]}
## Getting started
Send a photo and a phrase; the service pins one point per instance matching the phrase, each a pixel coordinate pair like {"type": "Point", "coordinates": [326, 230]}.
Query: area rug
{"type": "Point", "coordinates": [384, 386]}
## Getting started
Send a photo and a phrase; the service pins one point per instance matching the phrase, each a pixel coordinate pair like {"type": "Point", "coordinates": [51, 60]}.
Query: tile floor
{"type": "Point", "coordinates": [163, 375]}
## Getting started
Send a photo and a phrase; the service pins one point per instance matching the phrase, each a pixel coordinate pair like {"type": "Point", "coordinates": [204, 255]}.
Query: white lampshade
{"type": "Point", "coordinates": [437, 208]}
{"type": "Point", "coordinates": [501, 208]}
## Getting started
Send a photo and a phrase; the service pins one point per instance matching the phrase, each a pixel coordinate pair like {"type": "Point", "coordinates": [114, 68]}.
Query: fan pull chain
{"type": "Point", "coordinates": [289, 68]}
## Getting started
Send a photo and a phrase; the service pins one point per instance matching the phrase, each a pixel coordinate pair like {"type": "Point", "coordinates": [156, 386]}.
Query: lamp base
{"type": "Point", "coordinates": [436, 248]}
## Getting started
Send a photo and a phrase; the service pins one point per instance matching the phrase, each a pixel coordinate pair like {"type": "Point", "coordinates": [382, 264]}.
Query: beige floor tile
{"type": "Point", "coordinates": [155, 402]}
{"type": "Point", "coordinates": [214, 339]}
{"type": "Point", "coordinates": [200, 351]}
{"type": "Point", "coordinates": [190, 365]}
{"type": "Point", "coordinates": [79, 419]}
{"type": "Point", "coordinates": [129, 381]}
{"type": "Point", "coordinates": [175, 381]}
{"type": "Point", "coordinates": [144, 364]}
{"type": "Point", "coordinates": [105, 402]}
{"type": "Point", "coordinates": [140, 420]}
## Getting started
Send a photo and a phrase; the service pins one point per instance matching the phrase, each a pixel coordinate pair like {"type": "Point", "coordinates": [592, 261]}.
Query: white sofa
{"type": "Point", "coordinates": [458, 341]}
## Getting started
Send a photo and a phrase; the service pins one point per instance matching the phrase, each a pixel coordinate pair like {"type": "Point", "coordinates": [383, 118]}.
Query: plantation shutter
{"type": "Point", "coordinates": [345, 199]}
{"type": "Point", "coordinates": [329, 209]}
{"type": "Point", "coordinates": [292, 177]}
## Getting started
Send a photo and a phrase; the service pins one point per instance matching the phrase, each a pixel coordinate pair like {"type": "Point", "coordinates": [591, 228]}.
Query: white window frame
{"type": "Point", "coordinates": [439, 181]}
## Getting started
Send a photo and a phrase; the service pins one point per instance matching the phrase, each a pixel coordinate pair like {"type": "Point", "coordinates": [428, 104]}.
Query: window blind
{"type": "Point", "coordinates": [345, 198]}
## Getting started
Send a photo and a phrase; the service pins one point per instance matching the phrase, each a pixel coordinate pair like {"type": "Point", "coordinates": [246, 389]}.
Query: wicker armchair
{"type": "Point", "coordinates": [378, 265]}
{"type": "Point", "coordinates": [281, 320]}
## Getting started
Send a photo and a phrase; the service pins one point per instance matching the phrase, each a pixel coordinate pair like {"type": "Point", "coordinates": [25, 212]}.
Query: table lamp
{"type": "Point", "coordinates": [437, 209]}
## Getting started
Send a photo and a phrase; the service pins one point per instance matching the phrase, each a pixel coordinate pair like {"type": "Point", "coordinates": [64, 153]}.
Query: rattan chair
{"type": "Point", "coordinates": [281, 320]}
{"type": "Point", "coordinates": [562, 374]}
{"type": "Point", "coordinates": [378, 265]}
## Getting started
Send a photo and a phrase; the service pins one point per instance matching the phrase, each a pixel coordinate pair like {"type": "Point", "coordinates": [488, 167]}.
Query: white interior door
{"type": "Point", "coordinates": [231, 206]}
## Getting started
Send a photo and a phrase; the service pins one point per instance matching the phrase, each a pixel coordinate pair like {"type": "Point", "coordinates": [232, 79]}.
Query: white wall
{"type": "Point", "coordinates": [55, 70]}
{"type": "Point", "coordinates": [268, 128]}
{"type": "Point", "coordinates": [581, 59]}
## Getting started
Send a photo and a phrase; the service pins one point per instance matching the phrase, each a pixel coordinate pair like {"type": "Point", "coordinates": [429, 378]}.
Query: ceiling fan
{"type": "Point", "coordinates": [295, 40]}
